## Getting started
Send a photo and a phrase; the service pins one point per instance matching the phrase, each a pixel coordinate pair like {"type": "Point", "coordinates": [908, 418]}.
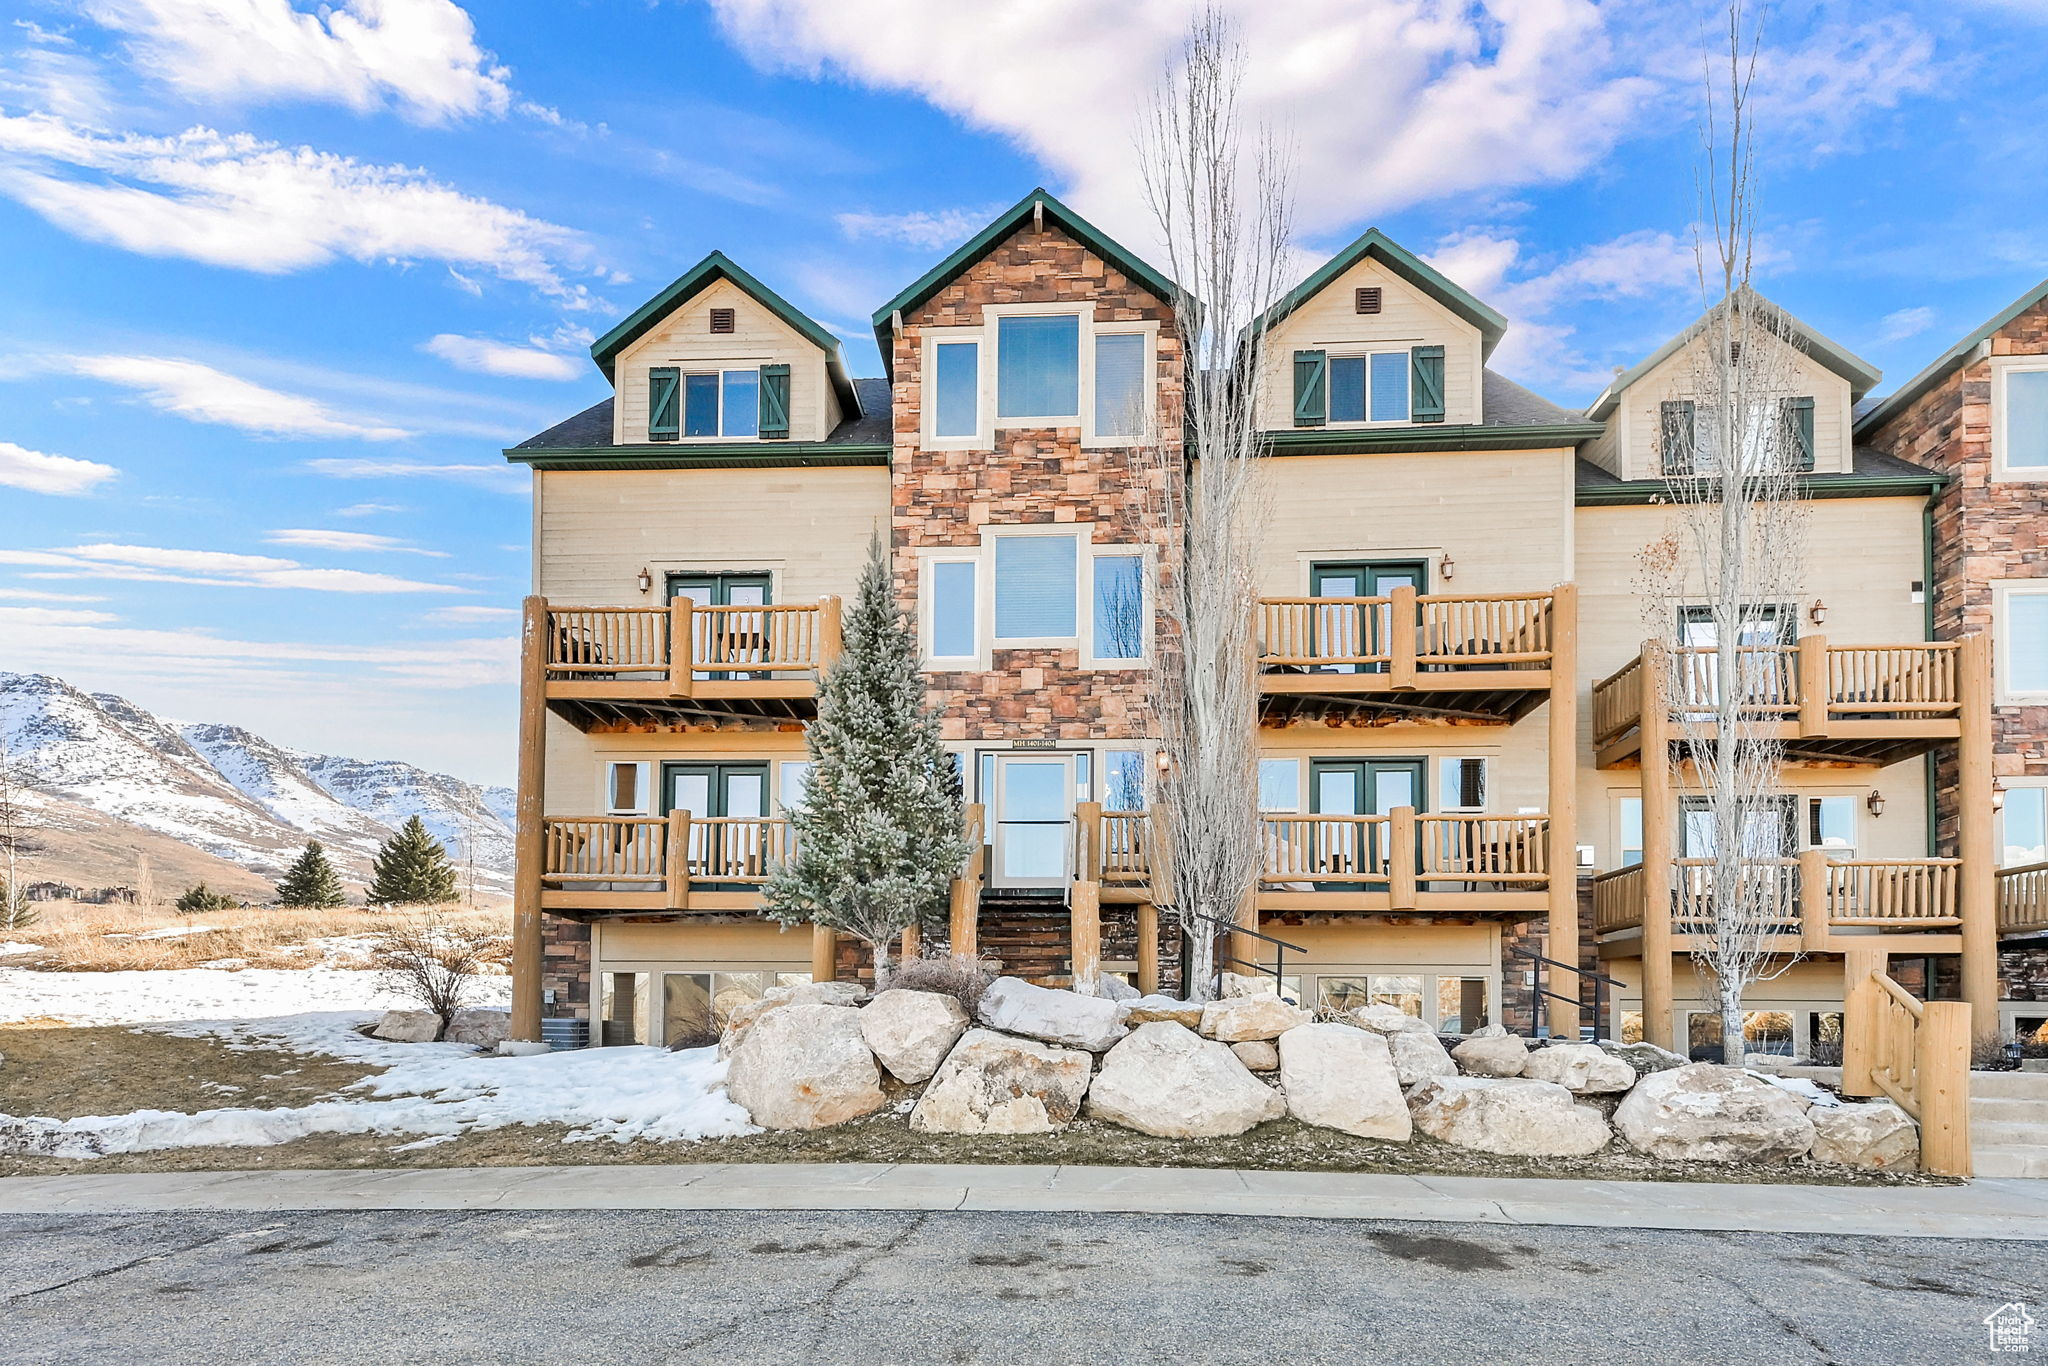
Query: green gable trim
{"type": "Point", "coordinates": [668, 456]}
{"type": "Point", "coordinates": [1953, 358]}
{"type": "Point", "coordinates": [1380, 441]}
{"type": "Point", "coordinates": [694, 281]}
{"type": "Point", "coordinates": [1816, 487]}
{"type": "Point", "coordinates": [1404, 263]}
{"type": "Point", "coordinates": [1032, 205]}
{"type": "Point", "coordinates": [1861, 374]}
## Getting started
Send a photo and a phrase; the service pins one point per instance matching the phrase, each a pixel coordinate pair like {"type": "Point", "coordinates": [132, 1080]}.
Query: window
{"type": "Point", "coordinates": [1774, 434]}
{"type": "Point", "coordinates": [1123, 780]}
{"type": "Point", "coordinates": [954, 633]}
{"type": "Point", "coordinates": [700, 405]}
{"type": "Point", "coordinates": [1460, 1004]}
{"type": "Point", "coordinates": [2019, 417]}
{"type": "Point", "coordinates": [1036, 586]}
{"type": "Point", "coordinates": [1038, 366]}
{"type": "Point", "coordinates": [1831, 825]}
{"type": "Point", "coordinates": [622, 1017]}
{"type": "Point", "coordinates": [627, 789]}
{"type": "Point", "coordinates": [1767, 829]}
{"type": "Point", "coordinates": [721, 320]}
{"type": "Point", "coordinates": [1370, 388]}
{"type": "Point", "coordinates": [956, 389]}
{"type": "Point", "coordinates": [1120, 390]}
{"type": "Point", "coordinates": [1629, 823]}
{"type": "Point", "coordinates": [2025, 821]}
{"type": "Point", "coordinates": [2022, 638]}
{"type": "Point", "coordinates": [720, 403]}
{"type": "Point", "coordinates": [1462, 784]}
{"type": "Point", "coordinates": [1758, 623]}
{"type": "Point", "coordinates": [1119, 607]}
{"type": "Point", "coordinates": [794, 778]}
{"type": "Point", "coordinates": [1279, 785]}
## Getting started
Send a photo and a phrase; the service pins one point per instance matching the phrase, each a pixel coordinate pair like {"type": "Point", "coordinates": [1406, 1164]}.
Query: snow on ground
{"type": "Point", "coordinates": [168, 932]}
{"type": "Point", "coordinates": [14, 946]}
{"type": "Point", "coordinates": [155, 996]}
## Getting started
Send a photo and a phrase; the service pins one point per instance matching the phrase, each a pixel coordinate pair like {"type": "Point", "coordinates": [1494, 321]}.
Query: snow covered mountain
{"type": "Point", "coordinates": [233, 794]}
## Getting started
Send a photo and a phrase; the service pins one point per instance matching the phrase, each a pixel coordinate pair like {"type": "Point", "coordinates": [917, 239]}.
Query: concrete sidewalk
{"type": "Point", "coordinates": [2011, 1208]}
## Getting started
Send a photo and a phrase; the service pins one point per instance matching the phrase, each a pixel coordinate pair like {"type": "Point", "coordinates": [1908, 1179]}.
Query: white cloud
{"type": "Point", "coordinates": [1904, 323]}
{"type": "Point", "coordinates": [939, 231]}
{"type": "Point", "coordinates": [204, 394]}
{"type": "Point", "coordinates": [51, 72]}
{"type": "Point", "coordinates": [207, 568]}
{"type": "Point", "coordinates": [237, 201]}
{"type": "Point", "coordinates": [313, 538]}
{"type": "Point", "coordinates": [420, 55]}
{"type": "Point", "coordinates": [38, 595]}
{"type": "Point", "coordinates": [501, 478]}
{"type": "Point", "coordinates": [369, 509]}
{"type": "Point", "coordinates": [22, 468]}
{"type": "Point", "coordinates": [486, 357]}
{"type": "Point", "coordinates": [471, 615]}
{"type": "Point", "coordinates": [1388, 102]}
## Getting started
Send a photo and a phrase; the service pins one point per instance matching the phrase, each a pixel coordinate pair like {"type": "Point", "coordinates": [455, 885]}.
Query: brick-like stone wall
{"type": "Point", "coordinates": [1033, 477]}
{"type": "Point", "coordinates": [565, 967]}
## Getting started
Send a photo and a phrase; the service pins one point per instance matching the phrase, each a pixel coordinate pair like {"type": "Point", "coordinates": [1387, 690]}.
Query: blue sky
{"type": "Point", "coordinates": [281, 281]}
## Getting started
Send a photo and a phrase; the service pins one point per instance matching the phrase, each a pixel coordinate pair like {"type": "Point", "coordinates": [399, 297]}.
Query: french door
{"type": "Point", "coordinates": [1031, 818]}
{"type": "Point", "coordinates": [1349, 629]}
{"type": "Point", "coordinates": [1360, 787]}
{"type": "Point", "coordinates": [733, 634]}
{"type": "Point", "coordinates": [713, 792]}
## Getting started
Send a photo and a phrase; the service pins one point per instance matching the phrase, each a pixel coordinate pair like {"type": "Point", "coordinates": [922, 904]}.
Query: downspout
{"type": "Point", "coordinates": [1927, 760]}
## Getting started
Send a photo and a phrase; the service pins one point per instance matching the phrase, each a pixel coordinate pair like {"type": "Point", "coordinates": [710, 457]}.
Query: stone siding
{"type": "Point", "coordinates": [565, 967]}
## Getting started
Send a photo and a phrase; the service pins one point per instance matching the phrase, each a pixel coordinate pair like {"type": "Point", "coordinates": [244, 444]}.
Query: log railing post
{"type": "Point", "coordinates": [676, 859]}
{"type": "Point", "coordinates": [1815, 924]}
{"type": "Point", "coordinates": [1941, 1086]}
{"type": "Point", "coordinates": [1563, 891]}
{"type": "Point", "coordinates": [1977, 900]}
{"type": "Point", "coordinates": [682, 645]}
{"type": "Point", "coordinates": [1148, 947]}
{"type": "Point", "coordinates": [1654, 725]}
{"type": "Point", "coordinates": [1813, 686]}
{"type": "Point", "coordinates": [965, 909]}
{"type": "Point", "coordinates": [830, 637]}
{"type": "Point", "coordinates": [1402, 852]}
{"type": "Point", "coordinates": [824, 953]}
{"type": "Point", "coordinates": [1084, 933]}
{"type": "Point", "coordinates": [1863, 1004]}
{"type": "Point", "coordinates": [1088, 837]}
{"type": "Point", "coordinates": [1402, 622]}
{"type": "Point", "coordinates": [529, 821]}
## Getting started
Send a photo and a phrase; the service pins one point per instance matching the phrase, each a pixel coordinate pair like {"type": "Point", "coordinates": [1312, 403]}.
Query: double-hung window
{"type": "Point", "coordinates": [1121, 405]}
{"type": "Point", "coordinates": [2021, 641]}
{"type": "Point", "coordinates": [956, 389]}
{"type": "Point", "coordinates": [1370, 388]}
{"type": "Point", "coordinates": [1037, 587]}
{"type": "Point", "coordinates": [712, 403]}
{"type": "Point", "coordinates": [2019, 417]}
{"type": "Point", "coordinates": [954, 616]}
{"type": "Point", "coordinates": [1038, 366]}
{"type": "Point", "coordinates": [1120, 616]}
{"type": "Point", "coordinates": [1033, 587]}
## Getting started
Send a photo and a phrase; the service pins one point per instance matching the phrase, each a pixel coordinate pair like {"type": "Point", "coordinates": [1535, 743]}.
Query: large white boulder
{"type": "Point", "coordinates": [741, 1018]}
{"type": "Point", "coordinates": [1418, 1056]}
{"type": "Point", "coordinates": [994, 1084]}
{"type": "Point", "coordinates": [912, 1031]}
{"type": "Point", "coordinates": [1644, 1057]}
{"type": "Point", "coordinates": [407, 1026]}
{"type": "Point", "coordinates": [480, 1026]}
{"type": "Point", "coordinates": [1877, 1134]}
{"type": "Point", "coordinates": [1512, 1116]}
{"type": "Point", "coordinates": [1245, 984]}
{"type": "Point", "coordinates": [1015, 1006]}
{"type": "Point", "coordinates": [1343, 1078]}
{"type": "Point", "coordinates": [1583, 1069]}
{"type": "Point", "coordinates": [1704, 1112]}
{"type": "Point", "coordinates": [1240, 1018]}
{"type": "Point", "coordinates": [1168, 1081]}
{"type": "Point", "coordinates": [1152, 1009]}
{"type": "Point", "coordinates": [1492, 1055]}
{"type": "Point", "coordinates": [804, 1067]}
{"type": "Point", "coordinates": [1382, 1018]}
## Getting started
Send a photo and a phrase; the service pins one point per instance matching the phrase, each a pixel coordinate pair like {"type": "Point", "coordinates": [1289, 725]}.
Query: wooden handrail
{"type": "Point", "coordinates": [766, 639]}
{"type": "Point", "coordinates": [1813, 679]}
{"type": "Point", "coordinates": [645, 848]}
{"type": "Point", "coordinates": [2023, 898]}
{"type": "Point", "coordinates": [1915, 1052]}
{"type": "Point", "coordinates": [1443, 631]}
{"type": "Point", "coordinates": [1618, 899]}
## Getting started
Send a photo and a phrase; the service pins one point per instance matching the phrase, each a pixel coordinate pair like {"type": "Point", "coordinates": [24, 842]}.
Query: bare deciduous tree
{"type": "Point", "coordinates": [432, 962]}
{"type": "Point", "coordinates": [1721, 585]}
{"type": "Point", "coordinates": [16, 822]}
{"type": "Point", "coordinates": [1223, 212]}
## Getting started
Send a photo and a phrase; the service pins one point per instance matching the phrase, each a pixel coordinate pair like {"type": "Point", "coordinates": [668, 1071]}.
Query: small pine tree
{"type": "Point", "coordinates": [878, 838]}
{"type": "Point", "coordinates": [17, 912]}
{"type": "Point", "coordinates": [412, 869]}
{"type": "Point", "coordinates": [311, 880]}
{"type": "Point", "coordinates": [202, 898]}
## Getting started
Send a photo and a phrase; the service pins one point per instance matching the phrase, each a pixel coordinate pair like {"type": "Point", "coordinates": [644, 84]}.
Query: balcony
{"type": "Point", "coordinates": [1426, 656]}
{"type": "Point", "coordinates": [1874, 704]}
{"type": "Point", "coordinates": [1821, 905]}
{"type": "Point", "coordinates": [2023, 899]}
{"type": "Point", "coordinates": [620, 666]}
{"type": "Point", "coordinates": [609, 865]}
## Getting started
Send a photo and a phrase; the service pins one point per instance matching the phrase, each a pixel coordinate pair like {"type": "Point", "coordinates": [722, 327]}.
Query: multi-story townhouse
{"type": "Point", "coordinates": [1450, 643]}
{"type": "Point", "coordinates": [1979, 415]}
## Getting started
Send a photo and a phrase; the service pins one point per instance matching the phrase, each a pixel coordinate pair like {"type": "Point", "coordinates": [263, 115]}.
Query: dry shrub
{"type": "Point", "coordinates": [956, 975]}
{"type": "Point", "coordinates": [73, 937]}
{"type": "Point", "coordinates": [426, 958]}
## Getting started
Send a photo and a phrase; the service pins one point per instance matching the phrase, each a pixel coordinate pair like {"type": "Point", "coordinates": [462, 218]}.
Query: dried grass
{"type": "Point", "coordinates": [955, 975]}
{"type": "Point", "coordinates": [74, 937]}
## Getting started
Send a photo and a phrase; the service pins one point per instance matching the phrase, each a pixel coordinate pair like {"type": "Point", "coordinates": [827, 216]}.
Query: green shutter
{"type": "Point", "coordinates": [1428, 388]}
{"type": "Point", "coordinates": [1311, 388]}
{"type": "Point", "coordinates": [1799, 428]}
{"type": "Point", "coordinates": [774, 402]}
{"type": "Point", "coordinates": [662, 390]}
{"type": "Point", "coordinates": [1676, 424]}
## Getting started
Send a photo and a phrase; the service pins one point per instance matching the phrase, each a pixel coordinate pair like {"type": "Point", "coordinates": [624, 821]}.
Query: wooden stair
{"type": "Point", "coordinates": [1032, 937]}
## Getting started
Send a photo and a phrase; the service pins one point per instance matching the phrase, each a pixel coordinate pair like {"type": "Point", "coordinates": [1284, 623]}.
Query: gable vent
{"type": "Point", "coordinates": [721, 320]}
{"type": "Point", "coordinates": [1367, 299]}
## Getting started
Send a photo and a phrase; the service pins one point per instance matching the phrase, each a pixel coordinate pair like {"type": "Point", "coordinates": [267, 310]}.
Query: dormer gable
{"type": "Point", "coordinates": [1648, 410]}
{"type": "Point", "coordinates": [718, 357]}
{"type": "Point", "coordinates": [1376, 338]}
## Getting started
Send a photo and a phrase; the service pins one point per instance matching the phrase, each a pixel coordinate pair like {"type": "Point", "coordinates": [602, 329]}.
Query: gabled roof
{"type": "Point", "coordinates": [1956, 356]}
{"type": "Point", "coordinates": [1036, 205]}
{"type": "Point", "coordinates": [1860, 373]}
{"type": "Point", "coordinates": [694, 281]}
{"type": "Point", "coordinates": [584, 442]}
{"type": "Point", "coordinates": [1404, 263]}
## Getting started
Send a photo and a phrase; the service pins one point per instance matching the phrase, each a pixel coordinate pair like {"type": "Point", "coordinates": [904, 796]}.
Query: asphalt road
{"type": "Point", "coordinates": [1042, 1290]}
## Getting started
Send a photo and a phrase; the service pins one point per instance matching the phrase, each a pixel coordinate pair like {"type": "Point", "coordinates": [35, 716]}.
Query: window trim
{"type": "Point", "coordinates": [928, 379]}
{"type": "Point", "coordinates": [643, 787]}
{"type": "Point", "coordinates": [988, 363]}
{"type": "Point", "coordinates": [927, 618]}
{"type": "Point", "coordinates": [2003, 591]}
{"type": "Point", "coordinates": [2002, 368]}
{"type": "Point", "coordinates": [983, 556]}
{"type": "Point", "coordinates": [2011, 785]}
{"type": "Point", "coordinates": [684, 370]}
{"type": "Point", "coordinates": [1147, 604]}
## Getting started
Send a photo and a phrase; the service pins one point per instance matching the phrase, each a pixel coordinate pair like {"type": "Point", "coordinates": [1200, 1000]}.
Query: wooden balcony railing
{"type": "Point", "coordinates": [1618, 900]}
{"type": "Point", "coordinates": [637, 856]}
{"type": "Point", "coordinates": [728, 650]}
{"type": "Point", "coordinates": [2023, 898]}
{"type": "Point", "coordinates": [1405, 634]}
{"type": "Point", "coordinates": [1814, 685]}
{"type": "Point", "coordinates": [1916, 1052]}
{"type": "Point", "coordinates": [1809, 896]}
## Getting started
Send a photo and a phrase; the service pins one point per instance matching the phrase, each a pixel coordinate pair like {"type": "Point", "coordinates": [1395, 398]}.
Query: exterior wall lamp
{"type": "Point", "coordinates": [1819, 611]}
{"type": "Point", "coordinates": [1875, 801]}
{"type": "Point", "coordinates": [1997, 795]}
{"type": "Point", "coordinates": [1447, 568]}
{"type": "Point", "coordinates": [646, 580]}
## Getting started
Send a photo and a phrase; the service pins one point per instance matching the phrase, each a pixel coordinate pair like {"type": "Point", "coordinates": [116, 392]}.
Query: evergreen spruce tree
{"type": "Point", "coordinates": [878, 838]}
{"type": "Point", "coordinates": [17, 912]}
{"type": "Point", "coordinates": [311, 880]}
{"type": "Point", "coordinates": [201, 898]}
{"type": "Point", "coordinates": [412, 869]}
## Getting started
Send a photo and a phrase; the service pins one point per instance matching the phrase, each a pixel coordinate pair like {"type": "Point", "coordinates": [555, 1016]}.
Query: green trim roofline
{"type": "Point", "coordinates": [1404, 263]}
{"type": "Point", "coordinates": [723, 456]}
{"type": "Point", "coordinates": [1861, 374]}
{"type": "Point", "coordinates": [1470, 437]}
{"type": "Point", "coordinates": [1958, 355]}
{"type": "Point", "coordinates": [1816, 488]}
{"type": "Point", "coordinates": [694, 281]}
{"type": "Point", "coordinates": [1032, 206]}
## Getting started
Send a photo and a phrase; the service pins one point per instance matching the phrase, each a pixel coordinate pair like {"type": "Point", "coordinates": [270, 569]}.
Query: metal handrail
{"type": "Point", "coordinates": [1280, 948]}
{"type": "Point", "coordinates": [1600, 981]}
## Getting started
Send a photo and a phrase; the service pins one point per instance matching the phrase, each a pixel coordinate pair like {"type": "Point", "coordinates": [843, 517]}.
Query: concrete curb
{"type": "Point", "coordinates": [2007, 1209]}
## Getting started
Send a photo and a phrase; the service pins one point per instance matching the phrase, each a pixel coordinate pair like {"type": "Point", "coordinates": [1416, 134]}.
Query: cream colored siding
{"type": "Point", "coordinates": [685, 340]}
{"type": "Point", "coordinates": [1407, 318]}
{"type": "Point", "coordinates": [619, 946]}
{"type": "Point", "coordinates": [1636, 425]}
{"type": "Point", "coordinates": [808, 528]}
{"type": "Point", "coordinates": [577, 763]}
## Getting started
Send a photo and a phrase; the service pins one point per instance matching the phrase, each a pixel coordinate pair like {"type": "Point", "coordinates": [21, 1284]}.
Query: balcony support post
{"type": "Point", "coordinates": [1658, 807]}
{"type": "Point", "coordinates": [1815, 925]}
{"type": "Point", "coordinates": [1977, 904]}
{"type": "Point", "coordinates": [675, 865]}
{"type": "Point", "coordinates": [1401, 858]}
{"type": "Point", "coordinates": [1813, 687]}
{"type": "Point", "coordinates": [682, 644]}
{"type": "Point", "coordinates": [1084, 935]}
{"type": "Point", "coordinates": [1563, 900]}
{"type": "Point", "coordinates": [824, 953]}
{"type": "Point", "coordinates": [965, 908]}
{"type": "Point", "coordinates": [912, 945]}
{"type": "Point", "coordinates": [1862, 1000]}
{"type": "Point", "coordinates": [528, 820]}
{"type": "Point", "coordinates": [1402, 622]}
{"type": "Point", "coordinates": [1148, 947]}
{"type": "Point", "coordinates": [830, 638]}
